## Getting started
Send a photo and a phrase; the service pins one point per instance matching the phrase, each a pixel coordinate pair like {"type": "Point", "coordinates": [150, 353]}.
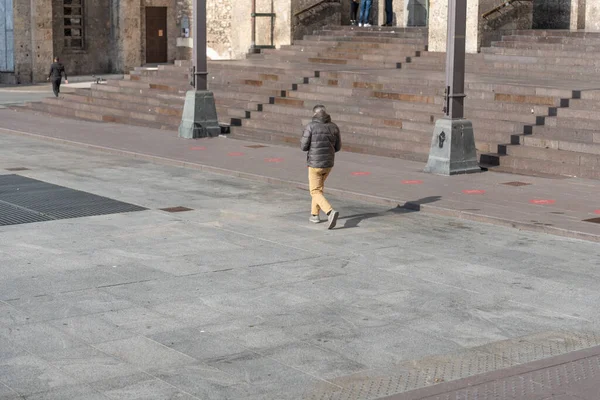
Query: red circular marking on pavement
{"type": "Point", "coordinates": [597, 212]}
{"type": "Point", "coordinates": [198, 148]}
{"type": "Point", "coordinates": [542, 201]}
{"type": "Point", "coordinates": [415, 182]}
{"type": "Point", "coordinates": [475, 191]}
{"type": "Point", "coordinates": [361, 173]}
{"type": "Point", "coordinates": [235, 154]}
{"type": "Point", "coordinates": [274, 160]}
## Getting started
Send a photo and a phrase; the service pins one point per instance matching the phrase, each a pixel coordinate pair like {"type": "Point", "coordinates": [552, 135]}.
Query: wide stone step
{"type": "Point", "coordinates": [114, 111]}
{"type": "Point", "coordinates": [97, 116]}
{"type": "Point", "coordinates": [555, 156]}
{"type": "Point", "coordinates": [322, 45]}
{"type": "Point", "coordinates": [156, 99]}
{"type": "Point", "coordinates": [572, 123]}
{"type": "Point", "coordinates": [568, 40]}
{"type": "Point", "coordinates": [293, 115]}
{"type": "Point", "coordinates": [569, 112]}
{"type": "Point", "coordinates": [352, 143]}
{"type": "Point", "coordinates": [537, 53]}
{"type": "Point", "coordinates": [557, 144]}
{"type": "Point", "coordinates": [548, 46]}
{"type": "Point", "coordinates": [366, 39]}
{"type": "Point", "coordinates": [368, 31]}
{"type": "Point", "coordinates": [162, 109]}
{"type": "Point", "coordinates": [133, 91]}
{"type": "Point", "coordinates": [246, 97]}
{"type": "Point", "coordinates": [291, 123]}
{"type": "Point", "coordinates": [567, 134]}
{"type": "Point", "coordinates": [362, 115]}
{"type": "Point", "coordinates": [532, 166]}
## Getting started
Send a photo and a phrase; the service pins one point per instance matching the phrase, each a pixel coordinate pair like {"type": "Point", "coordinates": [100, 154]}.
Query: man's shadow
{"type": "Point", "coordinates": [352, 221]}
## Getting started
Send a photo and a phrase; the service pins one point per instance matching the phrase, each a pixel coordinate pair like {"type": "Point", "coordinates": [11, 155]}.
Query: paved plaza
{"type": "Point", "coordinates": [242, 298]}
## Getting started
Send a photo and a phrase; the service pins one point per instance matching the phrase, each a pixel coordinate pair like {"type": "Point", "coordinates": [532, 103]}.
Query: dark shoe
{"type": "Point", "coordinates": [332, 219]}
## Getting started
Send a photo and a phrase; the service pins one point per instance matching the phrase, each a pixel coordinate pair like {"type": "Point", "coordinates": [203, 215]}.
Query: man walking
{"type": "Point", "coordinates": [56, 72]}
{"type": "Point", "coordinates": [321, 139]}
{"type": "Point", "coordinates": [389, 13]}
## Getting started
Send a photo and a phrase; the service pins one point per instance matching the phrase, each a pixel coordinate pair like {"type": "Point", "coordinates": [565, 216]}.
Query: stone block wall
{"type": "Point", "coordinates": [438, 25]}
{"type": "Point", "coordinates": [218, 29]}
{"type": "Point", "coordinates": [33, 33]}
{"type": "Point", "coordinates": [93, 58]}
{"type": "Point", "coordinates": [23, 49]}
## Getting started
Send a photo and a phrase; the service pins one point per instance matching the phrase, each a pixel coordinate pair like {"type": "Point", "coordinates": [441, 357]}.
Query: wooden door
{"type": "Point", "coordinates": [156, 35]}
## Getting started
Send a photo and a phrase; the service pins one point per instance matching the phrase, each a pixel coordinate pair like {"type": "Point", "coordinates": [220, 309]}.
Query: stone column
{"type": "Point", "coordinates": [130, 35]}
{"type": "Point", "coordinates": [42, 44]}
{"type": "Point", "coordinates": [592, 15]}
{"type": "Point", "coordinates": [438, 17]}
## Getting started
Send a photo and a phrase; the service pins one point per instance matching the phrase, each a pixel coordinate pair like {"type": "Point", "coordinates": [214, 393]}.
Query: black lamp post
{"type": "Point", "coordinates": [199, 117]}
{"type": "Point", "coordinates": [453, 145]}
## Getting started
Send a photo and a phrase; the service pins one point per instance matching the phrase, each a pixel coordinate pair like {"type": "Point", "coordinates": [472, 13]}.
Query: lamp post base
{"type": "Point", "coordinates": [199, 119]}
{"type": "Point", "coordinates": [453, 149]}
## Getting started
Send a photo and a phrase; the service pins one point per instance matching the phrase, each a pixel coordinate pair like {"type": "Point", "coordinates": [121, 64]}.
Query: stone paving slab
{"type": "Point", "coordinates": [242, 298]}
{"type": "Point", "coordinates": [556, 205]}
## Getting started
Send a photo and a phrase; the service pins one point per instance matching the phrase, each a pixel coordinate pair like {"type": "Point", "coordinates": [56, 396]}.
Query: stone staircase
{"type": "Point", "coordinates": [530, 96]}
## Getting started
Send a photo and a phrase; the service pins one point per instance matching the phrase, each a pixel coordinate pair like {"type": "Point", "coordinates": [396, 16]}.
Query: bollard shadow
{"type": "Point", "coordinates": [353, 221]}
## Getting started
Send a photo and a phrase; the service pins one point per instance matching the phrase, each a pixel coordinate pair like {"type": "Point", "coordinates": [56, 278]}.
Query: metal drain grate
{"type": "Point", "coordinates": [25, 200]}
{"type": "Point", "coordinates": [517, 184]}
{"type": "Point", "coordinates": [256, 146]}
{"type": "Point", "coordinates": [16, 169]}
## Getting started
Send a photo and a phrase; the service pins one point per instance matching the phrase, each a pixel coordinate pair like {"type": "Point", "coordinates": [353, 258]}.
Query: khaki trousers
{"type": "Point", "coordinates": [316, 183]}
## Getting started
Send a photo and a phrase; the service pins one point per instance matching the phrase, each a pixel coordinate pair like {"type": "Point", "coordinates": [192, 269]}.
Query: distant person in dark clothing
{"type": "Point", "coordinates": [354, 12]}
{"type": "Point", "coordinates": [56, 72]}
{"type": "Point", "coordinates": [389, 13]}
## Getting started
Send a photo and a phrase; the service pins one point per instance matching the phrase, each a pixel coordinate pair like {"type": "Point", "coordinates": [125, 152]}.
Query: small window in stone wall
{"type": "Point", "coordinates": [73, 24]}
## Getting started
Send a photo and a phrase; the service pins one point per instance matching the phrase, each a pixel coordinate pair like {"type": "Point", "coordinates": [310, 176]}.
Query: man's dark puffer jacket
{"type": "Point", "coordinates": [322, 140]}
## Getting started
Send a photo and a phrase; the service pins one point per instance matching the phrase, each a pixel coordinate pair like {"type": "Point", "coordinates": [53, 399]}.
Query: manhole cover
{"type": "Point", "coordinates": [25, 200]}
{"type": "Point", "coordinates": [176, 209]}
{"type": "Point", "coordinates": [517, 183]}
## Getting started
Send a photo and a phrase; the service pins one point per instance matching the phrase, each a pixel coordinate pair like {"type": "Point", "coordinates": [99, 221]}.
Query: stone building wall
{"type": "Point", "coordinates": [93, 57]}
{"type": "Point", "coordinates": [218, 28]}
{"type": "Point", "coordinates": [33, 33]}
{"type": "Point", "coordinates": [23, 43]}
